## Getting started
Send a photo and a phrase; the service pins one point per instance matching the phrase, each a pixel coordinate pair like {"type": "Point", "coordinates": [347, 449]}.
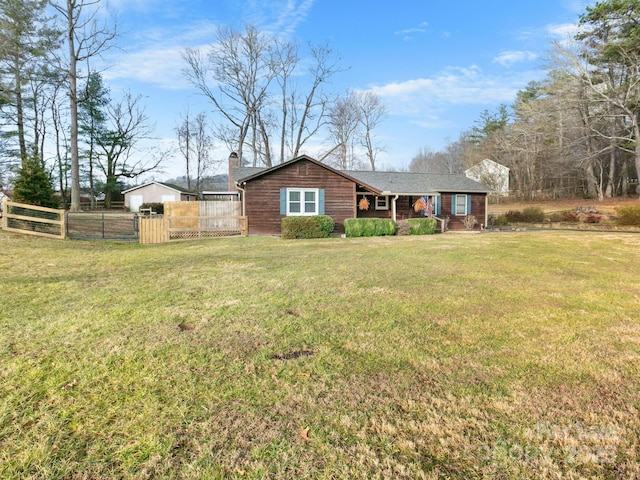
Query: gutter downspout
{"type": "Point", "coordinates": [393, 208]}
{"type": "Point", "coordinates": [486, 211]}
{"type": "Point", "coordinates": [244, 209]}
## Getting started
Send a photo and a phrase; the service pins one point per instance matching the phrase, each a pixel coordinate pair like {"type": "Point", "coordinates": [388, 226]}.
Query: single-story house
{"type": "Point", "coordinates": [305, 186]}
{"type": "Point", "coordinates": [491, 174]}
{"type": "Point", "coordinates": [155, 192]}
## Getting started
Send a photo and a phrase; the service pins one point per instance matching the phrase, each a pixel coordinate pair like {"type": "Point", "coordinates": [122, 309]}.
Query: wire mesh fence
{"type": "Point", "coordinates": [101, 225]}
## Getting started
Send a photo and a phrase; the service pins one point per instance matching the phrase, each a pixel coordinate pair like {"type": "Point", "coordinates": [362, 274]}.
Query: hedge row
{"type": "Point", "coordinates": [369, 227]}
{"type": "Point", "coordinates": [422, 226]}
{"type": "Point", "coordinates": [317, 226]}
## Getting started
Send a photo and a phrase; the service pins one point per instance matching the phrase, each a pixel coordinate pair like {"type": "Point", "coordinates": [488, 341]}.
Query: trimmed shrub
{"type": "Point", "coordinates": [369, 227]}
{"type": "Point", "coordinates": [155, 207]}
{"type": "Point", "coordinates": [628, 215]}
{"type": "Point", "coordinates": [422, 226]}
{"type": "Point", "coordinates": [326, 224]}
{"type": "Point", "coordinates": [317, 226]}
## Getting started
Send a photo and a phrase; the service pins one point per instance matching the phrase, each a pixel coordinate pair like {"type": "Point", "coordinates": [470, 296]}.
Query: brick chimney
{"type": "Point", "coordinates": [234, 162]}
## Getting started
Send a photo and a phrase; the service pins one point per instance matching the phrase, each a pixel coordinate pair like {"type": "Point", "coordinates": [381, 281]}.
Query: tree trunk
{"type": "Point", "coordinates": [610, 189]}
{"type": "Point", "coordinates": [73, 105]}
{"type": "Point", "coordinates": [20, 115]}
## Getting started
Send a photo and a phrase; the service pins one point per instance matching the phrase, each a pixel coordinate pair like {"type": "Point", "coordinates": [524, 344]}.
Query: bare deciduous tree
{"type": "Point", "coordinates": [86, 38]}
{"type": "Point", "coordinates": [195, 144]}
{"type": "Point", "coordinates": [372, 113]}
{"type": "Point", "coordinates": [125, 126]}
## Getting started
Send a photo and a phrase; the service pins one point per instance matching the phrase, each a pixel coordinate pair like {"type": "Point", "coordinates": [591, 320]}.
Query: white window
{"type": "Point", "coordinates": [461, 205]}
{"type": "Point", "coordinates": [302, 201]}
{"type": "Point", "coordinates": [382, 203]}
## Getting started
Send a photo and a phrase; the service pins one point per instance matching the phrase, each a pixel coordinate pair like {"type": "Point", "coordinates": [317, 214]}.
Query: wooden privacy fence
{"type": "Point", "coordinates": [185, 220]}
{"type": "Point", "coordinates": [33, 220]}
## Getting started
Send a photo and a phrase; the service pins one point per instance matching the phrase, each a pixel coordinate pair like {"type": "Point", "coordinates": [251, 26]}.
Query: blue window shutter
{"type": "Point", "coordinates": [468, 204]}
{"type": "Point", "coordinates": [453, 204]}
{"type": "Point", "coordinates": [283, 201]}
{"type": "Point", "coordinates": [436, 202]}
{"type": "Point", "coordinates": [321, 202]}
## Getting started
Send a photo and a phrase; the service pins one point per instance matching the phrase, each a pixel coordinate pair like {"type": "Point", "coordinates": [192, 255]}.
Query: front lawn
{"type": "Point", "coordinates": [498, 355]}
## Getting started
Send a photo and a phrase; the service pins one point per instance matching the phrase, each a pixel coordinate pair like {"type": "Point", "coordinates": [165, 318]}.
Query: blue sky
{"type": "Point", "coordinates": [435, 65]}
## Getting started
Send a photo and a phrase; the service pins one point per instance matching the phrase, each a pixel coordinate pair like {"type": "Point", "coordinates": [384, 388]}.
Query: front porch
{"type": "Point", "coordinates": [440, 206]}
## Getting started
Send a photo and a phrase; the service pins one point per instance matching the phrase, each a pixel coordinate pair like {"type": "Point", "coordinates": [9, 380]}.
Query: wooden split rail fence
{"type": "Point", "coordinates": [33, 220]}
{"type": "Point", "coordinates": [181, 220]}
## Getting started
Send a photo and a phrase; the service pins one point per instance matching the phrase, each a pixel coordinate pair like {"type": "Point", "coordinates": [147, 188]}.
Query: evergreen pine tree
{"type": "Point", "coordinates": [33, 185]}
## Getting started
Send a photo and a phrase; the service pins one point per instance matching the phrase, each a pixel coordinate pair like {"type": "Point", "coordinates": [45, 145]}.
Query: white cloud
{"type": "Point", "coordinates": [156, 57]}
{"type": "Point", "coordinates": [562, 31]}
{"type": "Point", "coordinates": [453, 85]}
{"type": "Point", "coordinates": [409, 33]}
{"type": "Point", "coordinates": [160, 66]}
{"type": "Point", "coordinates": [427, 102]}
{"type": "Point", "coordinates": [279, 17]}
{"type": "Point", "coordinates": [506, 59]}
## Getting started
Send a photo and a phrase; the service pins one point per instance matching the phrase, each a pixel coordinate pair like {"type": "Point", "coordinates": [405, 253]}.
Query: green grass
{"type": "Point", "coordinates": [501, 355]}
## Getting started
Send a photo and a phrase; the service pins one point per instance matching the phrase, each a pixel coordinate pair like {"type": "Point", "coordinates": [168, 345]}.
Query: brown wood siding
{"type": "Point", "coordinates": [263, 196]}
{"type": "Point", "coordinates": [456, 222]}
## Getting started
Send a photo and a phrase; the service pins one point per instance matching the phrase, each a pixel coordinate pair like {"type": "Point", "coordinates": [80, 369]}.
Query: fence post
{"type": "Point", "coordinates": [64, 232]}
{"type": "Point", "coordinates": [5, 219]}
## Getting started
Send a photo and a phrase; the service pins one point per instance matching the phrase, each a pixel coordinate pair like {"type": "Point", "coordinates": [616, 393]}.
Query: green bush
{"type": "Point", "coordinates": [369, 227]}
{"type": "Point", "coordinates": [533, 215]}
{"type": "Point", "coordinates": [317, 226]}
{"type": "Point", "coordinates": [155, 207]}
{"type": "Point", "coordinates": [326, 224]}
{"type": "Point", "coordinates": [422, 226]}
{"type": "Point", "coordinates": [513, 216]}
{"type": "Point", "coordinates": [628, 215]}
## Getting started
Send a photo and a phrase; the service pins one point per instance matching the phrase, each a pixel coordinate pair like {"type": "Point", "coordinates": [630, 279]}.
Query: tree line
{"type": "Point", "coordinates": [270, 99]}
{"type": "Point", "coordinates": [56, 114]}
{"type": "Point", "coordinates": [577, 130]}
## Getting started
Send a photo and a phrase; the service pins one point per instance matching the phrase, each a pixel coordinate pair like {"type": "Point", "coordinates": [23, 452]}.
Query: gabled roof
{"type": "Point", "coordinates": [175, 188]}
{"type": "Point", "coordinates": [245, 174]}
{"type": "Point", "coordinates": [387, 183]}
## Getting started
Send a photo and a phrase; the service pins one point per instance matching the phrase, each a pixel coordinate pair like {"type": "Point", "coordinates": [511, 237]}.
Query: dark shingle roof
{"type": "Point", "coordinates": [407, 183]}
{"type": "Point", "coordinates": [401, 183]}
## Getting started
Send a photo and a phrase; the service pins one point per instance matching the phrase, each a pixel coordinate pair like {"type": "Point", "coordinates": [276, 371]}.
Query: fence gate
{"type": "Point", "coordinates": [102, 226]}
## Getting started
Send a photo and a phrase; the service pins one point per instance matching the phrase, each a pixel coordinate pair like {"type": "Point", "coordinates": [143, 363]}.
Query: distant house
{"type": "Point", "coordinates": [305, 186]}
{"type": "Point", "coordinates": [492, 175]}
{"type": "Point", "coordinates": [155, 192]}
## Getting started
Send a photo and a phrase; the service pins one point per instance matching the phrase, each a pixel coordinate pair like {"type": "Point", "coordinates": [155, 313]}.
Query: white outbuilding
{"type": "Point", "coordinates": [155, 192]}
{"type": "Point", "coordinates": [492, 175]}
